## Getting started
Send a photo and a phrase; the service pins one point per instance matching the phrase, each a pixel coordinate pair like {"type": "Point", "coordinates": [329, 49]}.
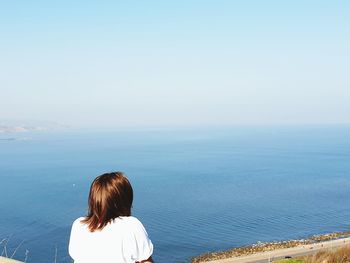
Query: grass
{"type": "Point", "coordinates": [341, 255]}
{"type": "Point", "coordinates": [290, 261]}
{"type": "Point", "coordinates": [5, 253]}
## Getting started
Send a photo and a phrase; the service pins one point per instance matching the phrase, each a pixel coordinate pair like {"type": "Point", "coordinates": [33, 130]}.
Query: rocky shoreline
{"type": "Point", "coordinates": [268, 246]}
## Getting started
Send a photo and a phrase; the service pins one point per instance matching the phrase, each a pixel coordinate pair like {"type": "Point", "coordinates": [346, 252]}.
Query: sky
{"type": "Point", "coordinates": [184, 62]}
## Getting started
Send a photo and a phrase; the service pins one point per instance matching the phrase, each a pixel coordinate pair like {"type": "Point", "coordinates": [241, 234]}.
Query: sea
{"type": "Point", "coordinates": [197, 189]}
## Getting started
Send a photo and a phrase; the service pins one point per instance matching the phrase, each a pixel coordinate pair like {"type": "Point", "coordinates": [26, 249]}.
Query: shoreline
{"type": "Point", "coordinates": [260, 251]}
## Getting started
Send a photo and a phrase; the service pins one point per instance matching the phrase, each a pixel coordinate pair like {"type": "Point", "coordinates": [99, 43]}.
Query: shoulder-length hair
{"type": "Point", "coordinates": [111, 196]}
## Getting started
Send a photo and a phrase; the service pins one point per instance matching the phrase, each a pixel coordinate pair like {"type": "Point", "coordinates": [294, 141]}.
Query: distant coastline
{"type": "Point", "coordinates": [15, 129]}
{"type": "Point", "coordinates": [20, 128]}
{"type": "Point", "coordinates": [268, 246]}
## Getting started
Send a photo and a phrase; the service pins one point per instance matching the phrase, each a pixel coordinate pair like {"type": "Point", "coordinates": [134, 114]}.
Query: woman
{"type": "Point", "coordinates": [109, 234]}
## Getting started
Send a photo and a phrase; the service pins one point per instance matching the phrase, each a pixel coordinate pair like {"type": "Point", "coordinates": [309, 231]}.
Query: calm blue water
{"type": "Point", "coordinates": [196, 190]}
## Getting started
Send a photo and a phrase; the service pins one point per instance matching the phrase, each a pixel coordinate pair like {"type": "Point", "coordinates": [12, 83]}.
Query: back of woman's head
{"type": "Point", "coordinates": [111, 196]}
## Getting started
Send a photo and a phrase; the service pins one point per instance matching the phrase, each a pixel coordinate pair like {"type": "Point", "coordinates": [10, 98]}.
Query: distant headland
{"type": "Point", "coordinates": [27, 126]}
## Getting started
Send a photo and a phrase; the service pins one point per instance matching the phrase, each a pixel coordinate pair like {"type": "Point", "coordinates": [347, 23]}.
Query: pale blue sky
{"type": "Point", "coordinates": [160, 63]}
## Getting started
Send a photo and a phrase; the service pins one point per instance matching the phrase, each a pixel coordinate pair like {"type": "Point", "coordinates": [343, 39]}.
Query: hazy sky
{"type": "Point", "coordinates": [155, 63]}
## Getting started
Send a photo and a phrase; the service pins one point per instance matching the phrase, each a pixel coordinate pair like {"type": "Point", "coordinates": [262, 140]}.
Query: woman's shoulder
{"type": "Point", "coordinates": [130, 221]}
{"type": "Point", "coordinates": [78, 222]}
{"type": "Point", "coordinates": [79, 219]}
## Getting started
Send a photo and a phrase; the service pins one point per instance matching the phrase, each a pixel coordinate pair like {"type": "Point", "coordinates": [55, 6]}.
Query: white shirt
{"type": "Point", "coordinates": [124, 240]}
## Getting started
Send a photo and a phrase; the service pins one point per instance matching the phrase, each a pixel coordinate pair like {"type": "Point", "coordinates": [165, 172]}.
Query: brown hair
{"type": "Point", "coordinates": [111, 196]}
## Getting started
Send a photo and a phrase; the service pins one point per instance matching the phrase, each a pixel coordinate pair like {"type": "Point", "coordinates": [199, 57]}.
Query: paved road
{"type": "Point", "coordinates": [271, 256]}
